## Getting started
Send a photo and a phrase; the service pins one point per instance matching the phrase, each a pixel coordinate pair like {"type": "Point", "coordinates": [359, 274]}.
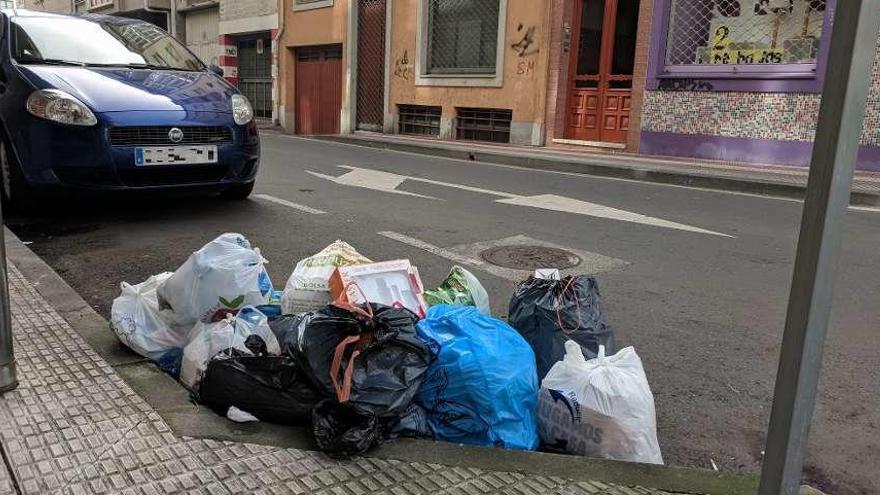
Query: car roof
{"type": "Point", "coordinates": [102, 18]}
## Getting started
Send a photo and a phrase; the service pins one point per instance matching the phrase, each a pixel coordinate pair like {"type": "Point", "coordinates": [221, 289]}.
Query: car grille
{"type": "Point", "coordinates": [158, 135]}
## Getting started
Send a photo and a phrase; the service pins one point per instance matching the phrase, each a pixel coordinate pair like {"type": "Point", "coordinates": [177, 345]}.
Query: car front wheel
{"type": "Point", "coordinates": [15, 192]}
{"type": "Point", "coordinates": [238, 191]}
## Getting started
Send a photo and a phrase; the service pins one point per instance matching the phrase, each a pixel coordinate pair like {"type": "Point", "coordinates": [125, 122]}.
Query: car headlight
{"type": "Point", "coordinates": [242, 112]}
{"type": "Point", "coordinates": [61, 107]}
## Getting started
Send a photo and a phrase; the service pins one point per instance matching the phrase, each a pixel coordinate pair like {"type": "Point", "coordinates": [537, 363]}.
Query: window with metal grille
{"type": "Point", "coordinates": [462, 36]}
{"type": "Point", "coordinates": [720, 33]}
{"type": "Point", "coordinates": [483, 124]}
{"type": "Point", "coordinates": [418, 119]}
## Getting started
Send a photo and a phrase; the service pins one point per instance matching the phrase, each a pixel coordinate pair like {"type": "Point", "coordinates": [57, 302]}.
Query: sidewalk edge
{"type": "Point", "coordinates": [595, 165]}
{"type": "Point", "coordinates": [171, 402]}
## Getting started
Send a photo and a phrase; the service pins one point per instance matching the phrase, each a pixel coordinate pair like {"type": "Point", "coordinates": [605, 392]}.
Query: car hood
{"type": "Point", "coordinates": [122, 89]}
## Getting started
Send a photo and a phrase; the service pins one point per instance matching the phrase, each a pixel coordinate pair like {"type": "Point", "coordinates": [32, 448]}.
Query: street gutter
{"type": "Point", "coordinates": [186, 418]}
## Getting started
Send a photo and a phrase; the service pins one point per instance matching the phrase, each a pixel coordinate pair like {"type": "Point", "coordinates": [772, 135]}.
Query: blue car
{"type": "Point", "coordinates": [102, 103]}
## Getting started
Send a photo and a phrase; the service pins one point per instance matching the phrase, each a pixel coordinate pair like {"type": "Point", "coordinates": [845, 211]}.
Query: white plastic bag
{"type": "Point", "coordinates": [308, 287]}
{"type": "Point", "coordinates": [136, 321]}
{"type": "Point", "coordinates": [210, 339]}
{"type": "Point", "coordinates": [599, 408]}
{"type": "Point", "coordinates": [221, 277]}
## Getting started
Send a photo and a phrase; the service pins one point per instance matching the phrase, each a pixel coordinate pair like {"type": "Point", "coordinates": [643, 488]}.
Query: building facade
{"type": "Point", "coordinates": [742, 81]}
{"type": "Point", "coordinates": [450, 69]}
{"type": "Point", "coordinates": [733, 80]}
{"type": "Point", "coordinates": [239, 36]}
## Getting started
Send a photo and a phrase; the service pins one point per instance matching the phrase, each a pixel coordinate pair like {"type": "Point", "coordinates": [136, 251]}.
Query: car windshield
{"type": "Point", "coordinates": [87, 42]}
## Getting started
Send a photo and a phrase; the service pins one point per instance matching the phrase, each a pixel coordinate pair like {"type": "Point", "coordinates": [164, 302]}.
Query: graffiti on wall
{"type": "Point", "coordinates": [525, 67]}
{"type": "Point", "coordinates": [685, 85]}
{"type": "Point", "coordinates": [526, 45]}
{"type": "Point", "coordinates": [402, 66]}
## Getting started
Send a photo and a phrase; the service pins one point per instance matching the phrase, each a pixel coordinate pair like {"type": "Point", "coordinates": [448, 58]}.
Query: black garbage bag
{"type": "Point", "coordinates": [342, 431]}
{"type": "Point", "coordinates": [287, 330]}
{"type": "Point", "coordinates": [256, 345]}
{"type": "Point", "coordinates": [272, 388]}
{"type": "Point", "coordinates": [547, 313]}
{"type": "Point", "coordinates": [375, 363]}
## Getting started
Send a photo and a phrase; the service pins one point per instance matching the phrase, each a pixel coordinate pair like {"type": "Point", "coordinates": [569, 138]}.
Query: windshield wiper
{"type": "Point", "coordinates": [50, 61]}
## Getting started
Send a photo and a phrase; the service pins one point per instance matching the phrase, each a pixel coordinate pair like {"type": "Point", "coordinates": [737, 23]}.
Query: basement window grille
{"type": "Point", "coordinates": [483, 124]}
{"type": "Point", "coordinates": [419, 120]}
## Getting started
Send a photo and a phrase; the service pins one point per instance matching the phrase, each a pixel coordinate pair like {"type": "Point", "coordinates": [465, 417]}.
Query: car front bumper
{"type": "Point", "coordinates": [54, 155]}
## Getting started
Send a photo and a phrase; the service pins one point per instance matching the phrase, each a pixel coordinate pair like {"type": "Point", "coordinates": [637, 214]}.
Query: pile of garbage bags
{"type": "Point", "coordinates": [361, 352]}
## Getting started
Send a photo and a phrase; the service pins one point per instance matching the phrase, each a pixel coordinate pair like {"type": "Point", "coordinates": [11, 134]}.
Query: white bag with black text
{"type": "Point", "coordinates": [308, 287]}
{"type": "Point", "coordinates": [599, 408]}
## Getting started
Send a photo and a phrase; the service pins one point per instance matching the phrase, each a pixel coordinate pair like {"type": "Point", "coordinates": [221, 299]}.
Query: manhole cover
{"type": "Point", "coordinates": [530, 257]}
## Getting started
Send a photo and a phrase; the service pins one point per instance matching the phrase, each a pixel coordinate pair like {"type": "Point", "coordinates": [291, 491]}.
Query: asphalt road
{"type": "Point", "coordinates": [696, 280]}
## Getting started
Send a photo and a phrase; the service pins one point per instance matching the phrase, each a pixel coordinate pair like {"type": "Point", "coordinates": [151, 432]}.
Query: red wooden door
{"type": "Point", "coordinates": [318, 89]}
{"type": "Point", "coordinates": [601, 68]}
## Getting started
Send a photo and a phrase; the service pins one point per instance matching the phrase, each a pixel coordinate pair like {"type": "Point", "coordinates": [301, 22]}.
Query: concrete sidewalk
{"type": "Point", "coordinates": [90, 419]}
{"type": "Point", "coordinates": [780, 180]}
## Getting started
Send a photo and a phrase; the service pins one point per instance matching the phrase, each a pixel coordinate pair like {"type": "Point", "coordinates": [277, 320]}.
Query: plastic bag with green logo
{"type": "Point", "coordinates": [460, 287]}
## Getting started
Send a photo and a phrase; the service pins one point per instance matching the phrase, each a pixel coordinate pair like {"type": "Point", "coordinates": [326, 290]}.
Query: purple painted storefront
{"type": "Point", "coordinates": [698, 105]}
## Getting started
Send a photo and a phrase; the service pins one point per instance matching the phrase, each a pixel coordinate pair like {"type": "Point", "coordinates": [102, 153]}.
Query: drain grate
{"type": "Point", "coordinates": [530, 257]}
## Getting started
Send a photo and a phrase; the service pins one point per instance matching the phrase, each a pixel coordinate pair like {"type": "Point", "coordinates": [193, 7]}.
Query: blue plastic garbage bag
{"type": "Point", "coordinates": [483, 387]}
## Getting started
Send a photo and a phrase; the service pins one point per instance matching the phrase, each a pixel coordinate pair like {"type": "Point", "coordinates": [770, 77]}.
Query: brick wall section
{"type": "Point", "coordinates": [640, 70]}
{"type": "Point", "coordinates": [775, 116]}
{"type": "Point", "coordinates": [238, 9]}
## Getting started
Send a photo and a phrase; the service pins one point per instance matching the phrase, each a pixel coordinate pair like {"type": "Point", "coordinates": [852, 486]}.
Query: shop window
{"type": "Point", "coordinates": [462, 36]}
{"type": "Point", "coordinates": [730, 35]}
{"type": "Point", "coordinates": [419, 120]}
{"type": "Point", "coordinates": [483, 124]}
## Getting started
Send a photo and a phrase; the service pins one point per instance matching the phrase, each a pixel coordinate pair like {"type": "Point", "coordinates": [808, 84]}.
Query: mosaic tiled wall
{"type": "Point", "coordinates": [779, 116]}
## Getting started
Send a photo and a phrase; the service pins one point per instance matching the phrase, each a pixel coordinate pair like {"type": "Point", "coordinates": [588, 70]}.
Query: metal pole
{"type": "Point", "coordinates": [851, 55]}
{"type": "Point", "coordinates": [8, 378]}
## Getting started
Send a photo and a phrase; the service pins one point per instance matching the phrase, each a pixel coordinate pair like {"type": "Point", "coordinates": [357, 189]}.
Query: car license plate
{"type": "Point", "coordinates": [174, 155]}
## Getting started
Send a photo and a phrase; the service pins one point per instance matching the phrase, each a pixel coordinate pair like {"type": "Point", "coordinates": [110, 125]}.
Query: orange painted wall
{"type": "Point", "coordinates": [525, 78]}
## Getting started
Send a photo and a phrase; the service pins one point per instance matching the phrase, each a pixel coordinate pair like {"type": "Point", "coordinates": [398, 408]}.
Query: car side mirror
{"type": "Point", "coordinates": [216, 69]}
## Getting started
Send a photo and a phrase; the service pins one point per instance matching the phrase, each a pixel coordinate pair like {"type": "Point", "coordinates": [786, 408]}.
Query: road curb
{"type": "Point", "coordinates": [597, 165]}
{"type": "Point", "coordinates": [188, 419]}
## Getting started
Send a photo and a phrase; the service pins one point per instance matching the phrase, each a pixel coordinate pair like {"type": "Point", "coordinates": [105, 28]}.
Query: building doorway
{"type": "Point", "coordinates": [318, 89]}
{"type": "Point", "coordinates": [371, 65]}
{"type": "Point", "coordinates": [601, 70]}
{"type": "Point", "coordinates": [255, 73]}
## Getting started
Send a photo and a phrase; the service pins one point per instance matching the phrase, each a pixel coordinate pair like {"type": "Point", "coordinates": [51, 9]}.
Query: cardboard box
{"type": "Point", "coordinates": [389, 282]}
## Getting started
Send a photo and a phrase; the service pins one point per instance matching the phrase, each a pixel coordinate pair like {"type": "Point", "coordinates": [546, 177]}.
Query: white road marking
{"type": "Point", "coordinates": [580, 175]}
{"type": "Point", "coordinates": [468, 254]}
{"type": "Point", "coordinates": [452, 256]}
{"type": "Point", "coordinates": [561, 203]}
{"type": "Point", "coordinates": [370, 179]}
{"type": "Point", "coordinates": [388, 182]}
{"type": "Point", "coordinates": [290, 204]}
